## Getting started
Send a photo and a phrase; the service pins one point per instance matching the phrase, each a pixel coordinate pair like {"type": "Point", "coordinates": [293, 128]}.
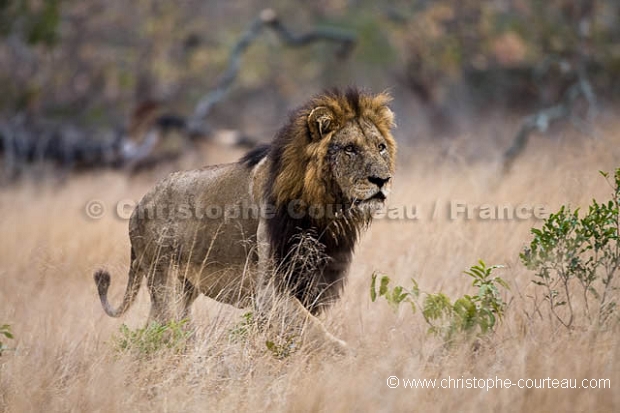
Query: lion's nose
{"type": "Point", "coordinates": [377, 180]}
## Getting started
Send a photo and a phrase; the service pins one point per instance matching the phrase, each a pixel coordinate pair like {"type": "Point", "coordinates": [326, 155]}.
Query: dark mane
{"type": "Point", "coordinates": [312, 256]}
{"type": "Point", "coordinates": [254, 156]}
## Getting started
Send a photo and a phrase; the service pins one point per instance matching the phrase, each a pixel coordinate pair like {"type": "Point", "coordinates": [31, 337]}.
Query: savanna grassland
{"type": "Point", "coordinates": [64, 356]}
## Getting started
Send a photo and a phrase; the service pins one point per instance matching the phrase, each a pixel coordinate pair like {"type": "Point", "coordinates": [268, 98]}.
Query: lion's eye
{"type": "Point", "coordinates": [382, 147]}
{"type": "Point", "coordinates": [349, 149]}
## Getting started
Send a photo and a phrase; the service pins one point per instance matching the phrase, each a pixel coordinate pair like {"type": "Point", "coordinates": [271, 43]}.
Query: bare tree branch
{"type": "Point", "coordinates": [267, 19]}
{"type": "Point", "coordinates": [541, 120]}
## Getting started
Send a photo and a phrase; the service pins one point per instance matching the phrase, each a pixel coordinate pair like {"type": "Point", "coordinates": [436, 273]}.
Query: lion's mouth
{"type": "Point", "coordinates": [378, 197]}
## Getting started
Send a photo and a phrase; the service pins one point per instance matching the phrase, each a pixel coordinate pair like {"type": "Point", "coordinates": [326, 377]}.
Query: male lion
{"type": "Point", "coordinates": [277, 227]}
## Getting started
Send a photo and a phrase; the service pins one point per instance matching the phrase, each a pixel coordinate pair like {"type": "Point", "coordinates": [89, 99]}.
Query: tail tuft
{"type": "Point", "coordinates": [102, 279]}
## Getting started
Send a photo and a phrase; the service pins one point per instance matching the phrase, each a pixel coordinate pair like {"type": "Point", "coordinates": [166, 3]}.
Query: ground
{"type": "Point", "coordinates": [63, 358]}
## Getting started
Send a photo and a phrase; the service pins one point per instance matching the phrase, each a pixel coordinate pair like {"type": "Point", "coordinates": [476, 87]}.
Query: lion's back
{"type": "Point", "coordinates": [198, 213]}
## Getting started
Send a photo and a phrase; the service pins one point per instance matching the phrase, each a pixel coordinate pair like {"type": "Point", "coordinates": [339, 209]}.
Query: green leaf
{"type": "Point", "coordinates": [397, 294]}
{"type": "Point", "coordinates": [383, 287]}
{"type": "Point", "coordinates": [373, 285]}
{"type": "Point", "coordinates": [436, 306]}
{"type": "Point", "coordinates": [501, 282]}
{"type": "Point", "coordinates": [415, 290]}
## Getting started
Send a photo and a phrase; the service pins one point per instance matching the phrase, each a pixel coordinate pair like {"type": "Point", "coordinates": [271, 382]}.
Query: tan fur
{"type": "Point", "coordinates": [232, 259]}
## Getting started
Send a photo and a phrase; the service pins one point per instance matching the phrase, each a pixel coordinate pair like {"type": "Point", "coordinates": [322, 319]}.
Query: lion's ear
{"type": "Point", "coordinates": [320, 122]}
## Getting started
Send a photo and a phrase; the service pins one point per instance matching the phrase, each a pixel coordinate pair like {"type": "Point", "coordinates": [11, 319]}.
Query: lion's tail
{"type": "Point", "coordinates": [102, 279]}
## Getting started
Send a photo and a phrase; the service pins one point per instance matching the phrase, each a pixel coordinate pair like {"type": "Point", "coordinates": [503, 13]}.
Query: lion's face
{"type": "Point", "coordinates": [360, 163]}
{"type": "Point", "coordinates": [338, 149]}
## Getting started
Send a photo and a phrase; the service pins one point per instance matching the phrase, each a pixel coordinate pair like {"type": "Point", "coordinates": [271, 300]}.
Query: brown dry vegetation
{"type": "Point", "coordinates": [62, 358]}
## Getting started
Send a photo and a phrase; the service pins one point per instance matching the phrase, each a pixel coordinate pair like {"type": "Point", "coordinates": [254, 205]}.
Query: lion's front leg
{"type": "Point", "coordinates": [285, 313]}
{"type": "Point", "coordinates": [289, 318]}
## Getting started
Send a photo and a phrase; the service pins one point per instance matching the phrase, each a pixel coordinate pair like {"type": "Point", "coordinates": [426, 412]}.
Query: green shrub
{"type": "Point", "coordinates": [5, 330]}
{"type": "Point", "coordinates": [284, 347]}
{"type": "Point", "coordinates": [280, 345]}
{"type": "Point", "coordinates": [242, 329]}
{"type": "Point", "coordinates": [471, 314]}
{"type": "Point", "coordinates": [575, 260]}
{"type": "Point", "coordinates": [153, 338]}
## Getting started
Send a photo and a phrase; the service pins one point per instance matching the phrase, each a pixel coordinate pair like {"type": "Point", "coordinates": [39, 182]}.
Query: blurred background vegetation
{"type": "Point", "coordinates": [87, 65]}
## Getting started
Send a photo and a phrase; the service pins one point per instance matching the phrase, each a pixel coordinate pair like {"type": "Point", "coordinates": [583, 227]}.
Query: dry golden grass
{"type": "Point", "coordinates": [63, 360]}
